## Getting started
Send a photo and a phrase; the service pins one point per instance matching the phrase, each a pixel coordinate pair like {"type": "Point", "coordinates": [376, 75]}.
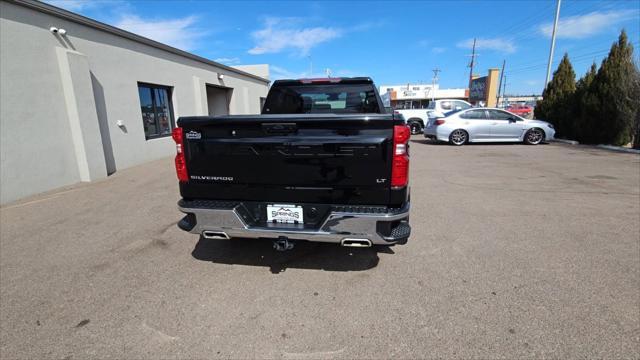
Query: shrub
{"type": "Point", "coordinates": [608, 108]}
{"type": "Point", "coordinates": [556, 105]}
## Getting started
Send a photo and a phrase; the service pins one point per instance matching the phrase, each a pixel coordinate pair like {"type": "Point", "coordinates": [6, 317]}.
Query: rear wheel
{"type": "Point", "coordinates": [458, 137]}
{"type": "Point", "coordinates": [533, 136]}
{"type": "Point", "coordinates": [415, 127]}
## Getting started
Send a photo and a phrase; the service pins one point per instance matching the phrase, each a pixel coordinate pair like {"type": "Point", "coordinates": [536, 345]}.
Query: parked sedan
{"type": "Point", "coordinates": [487, 125]}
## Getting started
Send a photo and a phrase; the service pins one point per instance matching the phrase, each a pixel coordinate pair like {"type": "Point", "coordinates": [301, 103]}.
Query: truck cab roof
{"type": "Point", "coordinates": [329, 80]}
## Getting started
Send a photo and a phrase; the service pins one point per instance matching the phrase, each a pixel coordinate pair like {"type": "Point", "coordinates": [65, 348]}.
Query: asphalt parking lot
{"type": "Point", "coordinates": [516, 251]}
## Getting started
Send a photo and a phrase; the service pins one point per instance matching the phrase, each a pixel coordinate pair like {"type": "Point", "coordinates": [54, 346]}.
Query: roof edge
{"type": "Point", "coordinates": [83, 20]}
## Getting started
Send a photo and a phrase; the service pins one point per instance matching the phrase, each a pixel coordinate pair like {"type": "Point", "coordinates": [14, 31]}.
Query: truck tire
{"type": "Point", "coordinates": [415, 126]}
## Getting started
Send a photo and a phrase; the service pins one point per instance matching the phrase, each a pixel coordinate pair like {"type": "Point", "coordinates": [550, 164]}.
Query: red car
{"type": "Point", "coordinates": [520, 110]}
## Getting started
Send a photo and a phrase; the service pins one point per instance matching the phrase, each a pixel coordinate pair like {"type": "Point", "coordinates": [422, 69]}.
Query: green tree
{"type": "Point", "coordinates": [612, 99]}
{"type": "Point", "coordinates": [556, 105]}
{"type": "Point", "coordinates": [636, 139]}
{"type": "Point", "coordinates": [582, 121]}
{"type": "Point", "coordinates": [635, 94]}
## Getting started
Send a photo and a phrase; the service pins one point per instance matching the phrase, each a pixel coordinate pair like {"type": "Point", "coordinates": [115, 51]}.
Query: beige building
{"type": "Point", "coordinates": [80, 100]}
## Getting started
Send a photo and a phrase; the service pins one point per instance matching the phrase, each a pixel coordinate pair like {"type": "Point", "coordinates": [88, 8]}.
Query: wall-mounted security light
{"type": "Point", "coordinates": [60, 31]}
{"type": "Point", "coordinates": [220, 76]}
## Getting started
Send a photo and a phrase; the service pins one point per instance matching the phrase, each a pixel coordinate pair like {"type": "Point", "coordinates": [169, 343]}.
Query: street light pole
{"type": "Point", "coordinates": [553, 42]}
{"type": "Point", "coordinates": [434, 81]}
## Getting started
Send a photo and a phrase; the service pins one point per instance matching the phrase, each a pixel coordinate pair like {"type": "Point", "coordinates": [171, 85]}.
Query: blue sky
{"type": "Point", "coordinates": [393, 42]}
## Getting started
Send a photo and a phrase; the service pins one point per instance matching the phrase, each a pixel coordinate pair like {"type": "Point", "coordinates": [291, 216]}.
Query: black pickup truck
{"type": "Point", "coordinates": [323, 162]}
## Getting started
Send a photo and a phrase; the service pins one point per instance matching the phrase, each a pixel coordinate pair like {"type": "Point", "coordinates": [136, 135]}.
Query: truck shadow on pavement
{"type": "Point", "coordinates": [305, 255]}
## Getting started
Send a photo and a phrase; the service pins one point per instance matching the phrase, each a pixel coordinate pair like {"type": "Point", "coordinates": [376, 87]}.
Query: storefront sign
{"type": "Point", "coordinates": [478, 89]}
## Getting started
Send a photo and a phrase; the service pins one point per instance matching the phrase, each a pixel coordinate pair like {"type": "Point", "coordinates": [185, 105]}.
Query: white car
{"type": "Point", "coordinates": [487, 125]}
{"type": "Point", "coordinates": [417, 118]}
{"type": "Point", "coordinates": [439, 107]}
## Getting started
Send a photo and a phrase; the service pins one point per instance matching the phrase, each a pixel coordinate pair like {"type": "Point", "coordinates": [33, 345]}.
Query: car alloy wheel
{"type": "Point", "coordinates": [534, 136]}
{"type": "Point", "coordinates": [458, 137]}
{"type": "Point", "coordinates": [415, 128]}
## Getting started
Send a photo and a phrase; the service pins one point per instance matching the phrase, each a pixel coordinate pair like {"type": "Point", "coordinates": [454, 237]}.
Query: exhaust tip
{"type": "Point", "coordinates": [215, 235]}
{"type": "Point", "coordinates": [356, 242]}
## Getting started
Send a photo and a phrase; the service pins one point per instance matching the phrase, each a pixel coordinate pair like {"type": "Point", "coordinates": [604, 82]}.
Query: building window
{"type": "Point", "coordinates": [157, 111]}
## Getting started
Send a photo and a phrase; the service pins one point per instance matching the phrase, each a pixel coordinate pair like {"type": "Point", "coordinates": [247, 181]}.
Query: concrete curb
{"type": "Point", "coordinates": [618, 148]}
{"type": "Point", "coordinates": [570, 142]}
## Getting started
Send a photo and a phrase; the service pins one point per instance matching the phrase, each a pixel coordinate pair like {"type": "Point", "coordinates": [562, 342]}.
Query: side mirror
{"type": "Point", "coordinates": [513, 119]}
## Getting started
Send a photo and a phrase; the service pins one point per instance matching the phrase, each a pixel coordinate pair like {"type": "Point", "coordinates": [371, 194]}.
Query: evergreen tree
{"type": "Point", "coordinates": [583, 122]}
{"type": "Point", "coordinates": [556, 105]}
{"type": "Point", "coordinates": [636, 94]}
{"type": "Point", "coordinates": [612, 99]}
{"type": "Point", "coordinates": [636, 138]}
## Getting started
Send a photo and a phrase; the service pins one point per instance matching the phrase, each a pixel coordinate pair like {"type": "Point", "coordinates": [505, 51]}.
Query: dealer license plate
{"type": "Point", "coordinates": [290, 214]}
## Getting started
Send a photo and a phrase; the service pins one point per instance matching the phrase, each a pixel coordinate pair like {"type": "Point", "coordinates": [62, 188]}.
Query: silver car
{"type": "Point", "coordinates": [487, 125]}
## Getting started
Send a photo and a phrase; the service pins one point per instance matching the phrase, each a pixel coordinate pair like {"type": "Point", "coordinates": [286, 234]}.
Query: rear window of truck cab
{"type": "Point", "coordinates": [322, 98]}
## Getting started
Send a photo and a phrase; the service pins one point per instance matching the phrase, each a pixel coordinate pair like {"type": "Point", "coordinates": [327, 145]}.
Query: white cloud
{"type": "Point", "coordinates": [438, 50]}
{"type": "Point", "coordinates": [280, 34]}
{"type": "Point", "coordinates": [496, 44]}
{"type": "Point", "coordinates": [224, 60]}
{"type": "Point", "coordinates": [178, 33]}
{"type": "Point", "coordinates": [581, 26]}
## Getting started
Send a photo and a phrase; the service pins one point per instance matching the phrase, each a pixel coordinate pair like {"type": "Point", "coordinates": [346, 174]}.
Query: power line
{"type": "Point", "coordinates": [540, 65]}
{"type": "Point", "coordinates": [557, 56]}
{"type": "Point", "coordinates": [521, 25]}
{"type": "Point", "coordinates": [572, 57]}
{"type": "Point", "coordinates": [580, 58]}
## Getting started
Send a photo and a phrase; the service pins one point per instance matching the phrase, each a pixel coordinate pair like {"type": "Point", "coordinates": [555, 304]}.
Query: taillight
{"type": "Point", "coordinates": [439, 122]}
{"type": "Point", "coordinates": [400, 164]}
{"type": "Point", "coordinates": [181, 163]}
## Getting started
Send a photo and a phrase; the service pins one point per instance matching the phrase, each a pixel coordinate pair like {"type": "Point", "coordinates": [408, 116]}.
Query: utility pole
{"type": "Point", "coordinates": [504, 90]}
{"type": "Point", "coordinates": [500, 84]}
{"type": "Point", "coordinates": [472, 63]}
{"type": "Point", "coordinates": [434, 81]}
{"type": "Point", "coordinates": [553, 42]}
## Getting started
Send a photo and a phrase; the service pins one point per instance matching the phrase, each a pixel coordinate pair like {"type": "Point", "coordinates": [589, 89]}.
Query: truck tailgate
{"type": "Point", "coordinates": [322, 157]}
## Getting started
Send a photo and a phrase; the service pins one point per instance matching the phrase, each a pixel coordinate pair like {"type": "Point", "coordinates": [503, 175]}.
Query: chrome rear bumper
{"type": "Point", "coordinates": [337, 227]}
